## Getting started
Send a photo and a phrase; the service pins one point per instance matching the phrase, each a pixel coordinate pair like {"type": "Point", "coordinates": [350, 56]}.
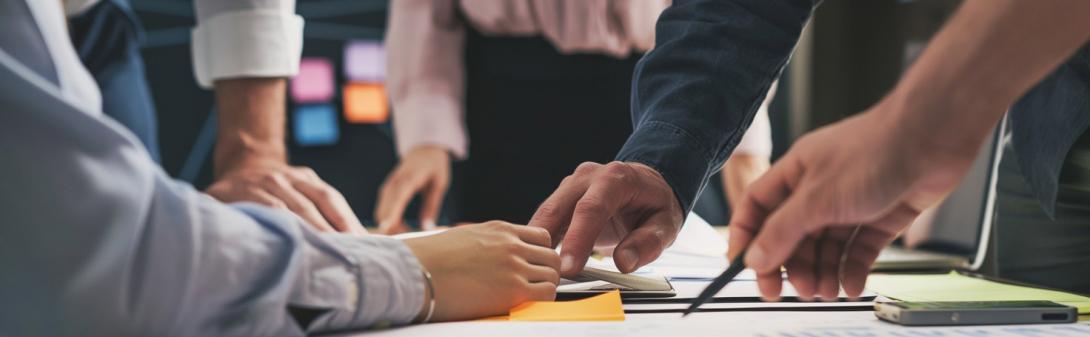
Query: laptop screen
{"type": "Point", "coordinates": [961, 224]}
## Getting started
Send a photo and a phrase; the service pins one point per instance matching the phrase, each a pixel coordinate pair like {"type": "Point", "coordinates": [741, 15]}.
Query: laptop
{"type": "Point", "coordinates": [954, 235]}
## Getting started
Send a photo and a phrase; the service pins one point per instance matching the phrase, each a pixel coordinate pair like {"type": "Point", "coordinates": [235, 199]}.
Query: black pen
{"type": "Point", "coordinates": [718, 283]}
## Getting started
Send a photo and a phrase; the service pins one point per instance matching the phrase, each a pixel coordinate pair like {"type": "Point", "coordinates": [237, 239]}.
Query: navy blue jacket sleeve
{"type": "Point", "coordinates": [695, 94]}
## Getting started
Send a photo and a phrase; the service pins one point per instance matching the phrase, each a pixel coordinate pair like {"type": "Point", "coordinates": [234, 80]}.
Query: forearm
{"type": "Point", "coordinates": [988, 55]}
{"type": "Point", "coordinates": [141, 254]}
{"type": "Point", "coordinates": [251, 122]}
{"type": "Point", "coordinates": [698, 90]}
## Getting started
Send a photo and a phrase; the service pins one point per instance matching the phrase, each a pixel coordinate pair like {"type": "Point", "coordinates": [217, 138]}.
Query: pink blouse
{"type": "Point", "coordinates": [425, 72]}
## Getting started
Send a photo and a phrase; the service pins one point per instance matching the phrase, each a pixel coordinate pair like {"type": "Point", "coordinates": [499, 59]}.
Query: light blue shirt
{"type": "Point", "coordinates": [96, 240]}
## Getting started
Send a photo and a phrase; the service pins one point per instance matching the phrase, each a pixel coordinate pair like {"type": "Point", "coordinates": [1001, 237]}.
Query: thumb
{"type": "Point", "coordinates": [784, 230]}
{"type": "Point", "coordinates": [644, 244]}
{"type": "Point", "coordinates": [744, 224]}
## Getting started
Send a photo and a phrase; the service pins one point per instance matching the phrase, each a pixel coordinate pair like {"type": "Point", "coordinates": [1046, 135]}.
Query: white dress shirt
{"type": "Point", "coordinates": [96, 240]}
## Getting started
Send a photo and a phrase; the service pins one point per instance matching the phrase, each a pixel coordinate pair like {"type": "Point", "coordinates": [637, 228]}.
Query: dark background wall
{"type": "Point", "coordinates": [356, 164]}
{"type": "Point", "coordinates": [851, 56]}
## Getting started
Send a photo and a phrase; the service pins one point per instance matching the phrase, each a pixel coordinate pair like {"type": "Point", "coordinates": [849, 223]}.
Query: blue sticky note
{"type": "Point", "coordinates": [314, 125]}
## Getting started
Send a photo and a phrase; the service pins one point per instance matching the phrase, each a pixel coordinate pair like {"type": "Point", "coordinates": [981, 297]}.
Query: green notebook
{"type": "Point", "coordinates": [957, 287]}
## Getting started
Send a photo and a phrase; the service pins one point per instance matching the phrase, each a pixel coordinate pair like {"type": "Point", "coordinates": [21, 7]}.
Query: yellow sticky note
{"type": "Point", "coordinates": [604, 307]}
{"type": "Point", "coordinates": [365, 103]}
{"type": "Point", "coordinates": [957, 287]}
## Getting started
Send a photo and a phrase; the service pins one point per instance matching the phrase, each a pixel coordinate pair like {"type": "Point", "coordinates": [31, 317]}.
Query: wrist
{"type": "Point", "coordinates": [427, 310]}
{"type": "Point", "coordinates": [243, 151]}
{"type": "Point", "coordinates": [431, 150]}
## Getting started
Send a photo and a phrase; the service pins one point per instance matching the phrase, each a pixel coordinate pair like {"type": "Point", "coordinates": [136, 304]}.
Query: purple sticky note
{"type": "Point", "coordinates": [314, 83]}
{"type": "Point", "coordinates": [365, 61]}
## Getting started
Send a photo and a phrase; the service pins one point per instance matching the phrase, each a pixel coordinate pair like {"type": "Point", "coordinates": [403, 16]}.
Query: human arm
{"type": "Point", "coordinates": [99, 241]}
{"type": "Point", "coordinates": [712, 65]}
{"type": "Point", "coordinates": [425, 78]}
{"type": "Point", "coordinates": [245, 50]}
{"type": "Point", "coordinates": [826, 209]}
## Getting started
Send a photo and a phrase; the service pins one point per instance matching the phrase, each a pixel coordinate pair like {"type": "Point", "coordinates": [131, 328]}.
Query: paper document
{"type": "Point", "coordinates": [957, 287]}
{"type": "Point", "coordinates": [635, 308]}
{"type": "Point", "coordinates": [761, 324]}
{"type": "Point", "coordinates": [739, 289]}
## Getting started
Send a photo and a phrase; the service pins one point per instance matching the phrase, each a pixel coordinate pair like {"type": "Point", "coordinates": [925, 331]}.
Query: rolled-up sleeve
{"type": "Point", "coordinates": [246, 38]}
{"type": "Point", "coordinates": [699, 89]}
{"type": "Point", "coordinates": [425, 42]}
{"type": "Point", "coordinates": [98, 241]}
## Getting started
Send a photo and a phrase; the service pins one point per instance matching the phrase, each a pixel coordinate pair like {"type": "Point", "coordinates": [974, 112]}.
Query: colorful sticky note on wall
{"type": "Point", "coordinates": [604, 307]}
{"type": "Point", "coordinates": [365, 61]}
{"type": "Point", "coordinates": [365, 103]}
{"type": "Point", "coordinates": [314, 83]}
{"type": "Point", "coordinates": [315, 125]}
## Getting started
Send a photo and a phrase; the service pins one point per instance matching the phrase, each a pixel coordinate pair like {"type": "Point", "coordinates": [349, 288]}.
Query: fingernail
{"type": "Point", "coordinates": [566, 263]}
{"type": "Point", "coordinates": [629, 258]}
{"type": "Point", "coordinates": [755, 257]}
{"type": "Point", "coordinates": [428, 225]}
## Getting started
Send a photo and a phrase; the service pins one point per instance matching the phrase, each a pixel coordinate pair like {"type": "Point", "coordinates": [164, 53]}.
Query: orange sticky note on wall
{"type": "Point", "coordinates": [365, 103]}
{"type": "Point", "coordinates": [604, 307]}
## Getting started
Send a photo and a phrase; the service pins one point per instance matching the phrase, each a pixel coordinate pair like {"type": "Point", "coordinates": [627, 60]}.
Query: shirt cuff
{"type": "Point", "coordinates": [388, 288]}
{"type": "Point", "coordinates": [430, 120]}
{"type": "Point", "coordinates": [352, 282]}
{"type": "Point", "coordinates": [655, 144]}
{"type": "Point", "coordinates": [261, 43]}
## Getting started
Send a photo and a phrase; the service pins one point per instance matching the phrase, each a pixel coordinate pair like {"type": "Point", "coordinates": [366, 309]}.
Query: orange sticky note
{"type": "Point", "coordinates": [604, 307]}
{"type": "Point", "coordinates": [365, 103]}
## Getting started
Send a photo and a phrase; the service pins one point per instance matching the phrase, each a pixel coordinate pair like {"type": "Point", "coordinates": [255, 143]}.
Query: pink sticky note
{"type": "Point", "coordinates": [365, 61]}
{"type": "Point", "coordinates": [314, 83]}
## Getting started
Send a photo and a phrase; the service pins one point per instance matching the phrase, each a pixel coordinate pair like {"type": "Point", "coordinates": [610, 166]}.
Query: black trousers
{"type": "Point", "coordinates": [533, 116]}
{"type": "Point", "coordinates": [1033, 248]}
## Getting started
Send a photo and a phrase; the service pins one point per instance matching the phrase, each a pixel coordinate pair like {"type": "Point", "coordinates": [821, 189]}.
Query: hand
{"type": "Point", "coordinates": [739, 172]}
{"type": "Point", "coordinates": [297, 189]}
{"type": "Point", "coordinates": [827, 208]}
{"type": "Point", "coordinates": [424, 170]}
{"type": "Point", "coordinates": [627, 205]}
{"type": "Point", "coordinates": [486, 269]}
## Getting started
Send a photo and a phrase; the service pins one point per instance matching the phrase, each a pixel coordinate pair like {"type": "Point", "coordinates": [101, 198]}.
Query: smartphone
{"type": "Point", "coordinates": [974, 313]}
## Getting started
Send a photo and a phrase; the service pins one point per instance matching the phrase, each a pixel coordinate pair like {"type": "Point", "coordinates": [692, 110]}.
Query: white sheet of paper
{"type": "Point", "coordinates": [762, 324]}
{"type": "Point", "coordinates": [741, 288]}
{"type": "Point", "coordinates": [748, 305]}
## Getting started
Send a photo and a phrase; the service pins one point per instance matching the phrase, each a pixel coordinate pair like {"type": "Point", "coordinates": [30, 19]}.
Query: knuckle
{"type": "Point", "coordinates": [499, 226]}
{"type": "Point", "coordinates": [274, 179]}
{"type": "Point", "coordinates": [306, 171]}
{"type": "Point", "coordinates": [586, 168]}
{"type": "Point", "coordinates": [589, 205]}
{"type": "Point", "coordinates": [548, 210]}
{"type": "Point", "coordinates": [616, 167]}
{"type": "Point", "coordinates": [544, 233]}
{"type": "Point", "coordinates": [325, 193]}
{"type": "Point", "coordinates": [393, 181]}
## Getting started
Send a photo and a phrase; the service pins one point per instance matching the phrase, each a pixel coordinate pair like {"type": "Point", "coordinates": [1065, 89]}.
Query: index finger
{"type": "Point", "coordinates": [554, 215]}
{"type": "Point", "coordinates": [763, 196]}
{"type": "Point", "coordinates": [331, 204]}
{"type": "Point", "coordinates": [608, 192]}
